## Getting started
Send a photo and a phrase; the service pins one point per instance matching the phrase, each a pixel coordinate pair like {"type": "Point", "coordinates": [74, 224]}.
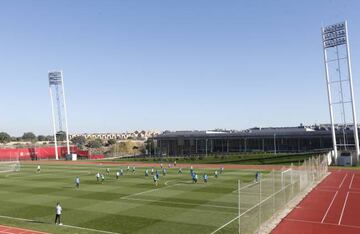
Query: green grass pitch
{"type": "Point", "coordinates": [131, 204]}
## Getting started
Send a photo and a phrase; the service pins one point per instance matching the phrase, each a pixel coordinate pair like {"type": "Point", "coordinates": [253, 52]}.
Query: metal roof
{"type": "Point", "coordinates": [269, 132]}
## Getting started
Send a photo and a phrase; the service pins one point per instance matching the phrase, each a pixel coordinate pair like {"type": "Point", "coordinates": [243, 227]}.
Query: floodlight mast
{"type": "Point", "coordinates": [54, 123]}
{"type": "Point", "coordinates": [56, 80]}
{"type": "Point", "coordinates": [330, 106]}
{"type": "Point", "coordinates": [334, 36]}
{"type": "Point", "coordinates": [65, 113]}
{"type": "Point", "coordinates": [356, 135]}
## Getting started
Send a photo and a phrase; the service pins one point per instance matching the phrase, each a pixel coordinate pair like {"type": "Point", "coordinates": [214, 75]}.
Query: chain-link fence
{"type": "Point", "coordinates": [272, 191]}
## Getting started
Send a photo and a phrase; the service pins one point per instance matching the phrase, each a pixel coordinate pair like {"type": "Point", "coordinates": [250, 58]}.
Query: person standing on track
{"type": "Point", "coordinates": [38, 169]}
{"type": "Point", "coordinates": [58, 211]}
{"type": "Point", "coordinates": [117, 175]}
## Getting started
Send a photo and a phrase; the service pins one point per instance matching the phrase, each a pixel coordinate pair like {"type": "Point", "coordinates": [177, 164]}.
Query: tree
{"type": "Point", "coordinates": [29, 136]}
{"type": "Point", "coordinates": [4, 137]}
{"type": "Point", "coordinates": [49, 138]}
{"type": "Point", "coordinates": [97, 143]}
{"type": "Point", "coordinates": [41, 138]}
{"type": "Point", "coordinates": [61, 136]}
{"type": "Point", "coordinates": [79, 140]}
{"type": "Point", "coordinates": [149, 145]}
{"type": "Point", "coordinates": [14, 139]}
{"type": "Point", "coordinates": [111, 141]}
{"type": "Point", "coordinates": [127, 148]}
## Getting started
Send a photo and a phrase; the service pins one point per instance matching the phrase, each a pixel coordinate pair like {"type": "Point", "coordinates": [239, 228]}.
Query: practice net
{"type": "Point", "coordinates": [9, 164]}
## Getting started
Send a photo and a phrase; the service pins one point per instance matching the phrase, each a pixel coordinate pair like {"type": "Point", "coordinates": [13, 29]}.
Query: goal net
{"type": "Point", "coordinates": [10, 164]}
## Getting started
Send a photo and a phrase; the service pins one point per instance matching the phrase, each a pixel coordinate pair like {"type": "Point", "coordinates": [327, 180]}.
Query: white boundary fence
{"type": "Point", "coordinates": [260, 201]}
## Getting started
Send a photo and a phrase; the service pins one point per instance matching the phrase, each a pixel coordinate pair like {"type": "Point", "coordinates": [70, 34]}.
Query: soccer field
{"type": "Point", "coordinates": [131, 204]}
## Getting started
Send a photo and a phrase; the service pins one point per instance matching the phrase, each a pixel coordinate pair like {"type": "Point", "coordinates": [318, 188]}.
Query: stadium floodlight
{"type": "Point", "coordinates": [338, 75]}
{"type": "Point", "coordinates": [56, 87]}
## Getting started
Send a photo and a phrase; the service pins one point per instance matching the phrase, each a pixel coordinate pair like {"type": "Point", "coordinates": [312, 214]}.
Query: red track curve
{"type": "Point", "coordinates": [332, 207]}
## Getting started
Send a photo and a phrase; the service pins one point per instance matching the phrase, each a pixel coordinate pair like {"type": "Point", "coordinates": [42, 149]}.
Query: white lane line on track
{"type": "Point", "coordinates": [352, 178]}
{"type": "Point", "coordinates": [343, 209]}
{"type": "Point", "coordinates": [327, 211]}
{"type": "Point", "coordinates": [308, 221]}
{"type": "Point", "coordinates": [343, 180]}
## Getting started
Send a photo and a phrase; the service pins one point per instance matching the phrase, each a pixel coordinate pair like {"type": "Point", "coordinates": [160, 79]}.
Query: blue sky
{"type": "Point", "coordinates": [174, 65]}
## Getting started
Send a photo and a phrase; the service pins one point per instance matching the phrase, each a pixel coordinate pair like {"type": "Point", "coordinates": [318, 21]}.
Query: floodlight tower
{"type": "Point", "coordinates": [58, 108]}
{"type": "Point", "coordinates": [339, 84]}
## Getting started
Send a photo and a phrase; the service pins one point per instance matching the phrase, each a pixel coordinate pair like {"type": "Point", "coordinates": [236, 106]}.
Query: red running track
{"type": "Point", "coordinates": [14, 230]}
{"type": "Point", "coordinates": [331, 207]}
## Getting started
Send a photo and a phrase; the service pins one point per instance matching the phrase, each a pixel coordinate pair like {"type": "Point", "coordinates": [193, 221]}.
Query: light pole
{"type": "Point", "coordinates": [274, 143]}
{"type": "Point", "coordinates": [206, 147]}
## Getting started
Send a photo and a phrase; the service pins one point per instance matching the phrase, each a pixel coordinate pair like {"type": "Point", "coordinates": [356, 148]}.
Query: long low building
{"type": "Point", "coordinates": [290, 139]}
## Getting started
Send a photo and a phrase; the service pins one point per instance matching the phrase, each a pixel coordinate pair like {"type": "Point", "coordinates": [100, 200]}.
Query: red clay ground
{"type": "Point", "coordinates": [14, 230]}
{"type": "Point", "coordinates": [332, 207]}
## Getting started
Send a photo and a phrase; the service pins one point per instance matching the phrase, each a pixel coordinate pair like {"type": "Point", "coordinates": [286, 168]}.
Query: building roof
{"type": "Point", "coordinates": [254, 132]}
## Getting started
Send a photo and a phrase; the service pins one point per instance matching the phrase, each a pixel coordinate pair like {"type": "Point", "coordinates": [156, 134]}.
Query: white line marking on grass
{"type": "Point", "coordinates": [147, 191]}
{"type": "Point", "coordinates": [167, 182]}
{"type": "Point", "coordinates": [352, 178]}
{"type": "Point", "coordinates": [181, 203]}
{"type": "Point", "coordinates": [64, 225]}
{"type": "Point", "coordinates": [327, 211]}
{"type": "Point", "coordinates": [343, 180]}
{"type": "Point", "coordinates": [248, 185]}
{"type": "Point", "coordinates": [343, 209]}
{"type": "Point", "coordinates": [90, 229]}
{"type": "Point", "coordinates": [244, 187]}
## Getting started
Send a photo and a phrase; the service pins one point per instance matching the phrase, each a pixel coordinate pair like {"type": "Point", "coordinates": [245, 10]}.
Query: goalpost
{"type": "Point", "coordinates": [10, 164]}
